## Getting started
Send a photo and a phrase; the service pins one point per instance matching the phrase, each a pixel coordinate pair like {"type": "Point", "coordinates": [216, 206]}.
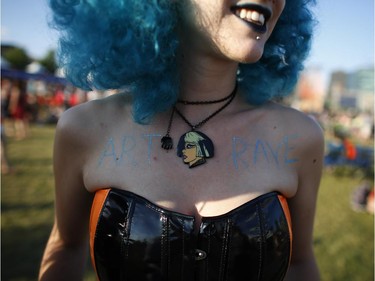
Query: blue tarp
{"type": "Point", "coordinates": [18, 74]}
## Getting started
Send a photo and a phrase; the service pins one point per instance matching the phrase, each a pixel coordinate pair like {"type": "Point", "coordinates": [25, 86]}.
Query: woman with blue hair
{"type": "Point", "coordinates": [208, 72]}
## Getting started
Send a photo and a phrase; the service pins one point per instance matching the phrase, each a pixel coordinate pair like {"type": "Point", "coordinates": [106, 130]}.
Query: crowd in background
{"type": "Point", "coordinates": [349, 133]}
{"type": "Point", "coordinates": [36, 101]}
{"type": "Point", "coordinates": [32, 101]}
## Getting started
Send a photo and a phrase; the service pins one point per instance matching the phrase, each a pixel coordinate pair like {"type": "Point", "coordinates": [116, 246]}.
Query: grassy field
{"type": "Point", "coordinates": [344, 239]}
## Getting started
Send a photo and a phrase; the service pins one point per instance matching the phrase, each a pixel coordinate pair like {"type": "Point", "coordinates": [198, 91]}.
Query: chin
{"type": "Point", "coordinates": [244, 51]}
{"type": "Point", "coordinates": [252, 58]}
{"type": "Point", "coordinates": [249, 57]}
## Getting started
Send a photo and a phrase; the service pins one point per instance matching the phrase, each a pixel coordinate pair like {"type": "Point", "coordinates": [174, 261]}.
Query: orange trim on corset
{"type": "Point", "coordinates": [284, 205]}
{"type": "Point", "coordinates": [96, 208]}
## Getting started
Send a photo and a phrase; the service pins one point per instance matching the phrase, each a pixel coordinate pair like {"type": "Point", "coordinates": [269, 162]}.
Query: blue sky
{"type": "Point", "coordinates": [344, 38]}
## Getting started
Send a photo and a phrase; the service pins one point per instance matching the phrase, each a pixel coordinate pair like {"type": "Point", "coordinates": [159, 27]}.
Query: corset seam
{"type": "Point", "coordinates": [208, 252]}
{"type": "Point", "coordinates": [126, 235]}
{"type": "Point", "coordinates": [287, 219]}
{"type": "Point", "coordinates": [265, 230]}
{"type": "Point", "coordinates": [225, 252]}
{"type": "Point", "coordinates": [183, 248]}
{"type": "Point", "coordinates": [97, 229]}
{"type": "Point", "coordinates": [168, 247]}
{"type": "Point", "coordinates": [164, 246]}
{"type": "Point", "coordinates": [289, 234]}
{"type": "Point", "coordinates": [261, 241]}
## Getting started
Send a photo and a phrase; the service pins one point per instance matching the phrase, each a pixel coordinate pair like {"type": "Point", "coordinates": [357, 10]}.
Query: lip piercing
{"type": "Point", "coordinates": [257, 38]}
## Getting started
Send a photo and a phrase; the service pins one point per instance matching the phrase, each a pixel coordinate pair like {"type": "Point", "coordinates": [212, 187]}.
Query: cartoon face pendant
{"type": "Point", "coordinates": [194, 147]}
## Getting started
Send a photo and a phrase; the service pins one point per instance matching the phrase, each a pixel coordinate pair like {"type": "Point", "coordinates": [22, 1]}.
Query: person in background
{"type": "Point", "coordinates": [210, 67]}
{"type": "Point", "coordinates": [18, 109]}
{"type": "Point", "coordinates": [6, 85]}
{"type": "Point", "coordinates": [5, 164]}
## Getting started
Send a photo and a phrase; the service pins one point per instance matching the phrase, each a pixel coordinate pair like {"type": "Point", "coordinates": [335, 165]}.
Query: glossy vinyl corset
{"type": "Point", "coordinates": [133, 239]}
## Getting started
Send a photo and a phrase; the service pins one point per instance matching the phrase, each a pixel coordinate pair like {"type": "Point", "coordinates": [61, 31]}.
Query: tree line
{"type": "Point", "coordinates": [19, 59]}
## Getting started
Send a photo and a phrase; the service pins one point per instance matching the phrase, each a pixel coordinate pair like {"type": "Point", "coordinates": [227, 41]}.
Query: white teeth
{"type": "Point", "coordinates": [242, 14]}
{"type": "Point", "coordinates": [249, 15]}
{"type": "Point", "coordinates": [255, 16]}
{"type": "Point", "coordinates": [252, 16]}
{"type": "Point", "coordinates": [262, 19]}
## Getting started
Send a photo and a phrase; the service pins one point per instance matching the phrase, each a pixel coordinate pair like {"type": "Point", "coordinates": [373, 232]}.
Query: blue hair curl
{"type": "Point", "coordinates": [132, 45]}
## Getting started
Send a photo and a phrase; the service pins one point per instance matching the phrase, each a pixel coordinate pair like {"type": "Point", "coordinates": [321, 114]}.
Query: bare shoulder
{"type": "Point", "coordinates": [84, 123]}
{"type": "Point", "coordinates": [305, 126]}
{"type": "Point", "coordinates": [308, 135]}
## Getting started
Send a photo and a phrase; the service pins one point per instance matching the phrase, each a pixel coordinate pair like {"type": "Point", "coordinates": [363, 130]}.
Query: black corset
{"type": "Point", "coordinates": [133, 239]}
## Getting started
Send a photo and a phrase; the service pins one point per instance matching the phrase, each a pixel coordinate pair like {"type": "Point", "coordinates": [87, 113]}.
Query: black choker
{"type": "Point", "coordinates": [194, 146]}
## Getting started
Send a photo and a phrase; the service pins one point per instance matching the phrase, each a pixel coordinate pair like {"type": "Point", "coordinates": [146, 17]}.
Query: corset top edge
{"type": "Point", "coordinates": [166, 211]}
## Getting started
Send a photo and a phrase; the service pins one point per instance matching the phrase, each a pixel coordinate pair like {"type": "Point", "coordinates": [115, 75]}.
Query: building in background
{"type": "Point", "coordinates": [352, 91]}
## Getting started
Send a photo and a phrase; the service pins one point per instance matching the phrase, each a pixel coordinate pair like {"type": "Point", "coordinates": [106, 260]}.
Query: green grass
{"type": "Point", "coordinates": [344, 239]}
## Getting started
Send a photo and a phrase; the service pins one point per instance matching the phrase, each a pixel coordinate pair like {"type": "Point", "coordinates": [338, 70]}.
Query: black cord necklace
{"type": "Point", "coordinates": [194, 146]}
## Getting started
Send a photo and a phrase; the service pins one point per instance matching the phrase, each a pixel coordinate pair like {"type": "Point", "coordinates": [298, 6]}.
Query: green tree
{"type": "Point", "coordinates": [49, 61]}
{"type": "Point", "coordinates": [17, 58]}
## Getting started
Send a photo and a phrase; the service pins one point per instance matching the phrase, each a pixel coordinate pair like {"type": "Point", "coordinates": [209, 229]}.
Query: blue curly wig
{"type": "Point", "coordinates": [132, 45]}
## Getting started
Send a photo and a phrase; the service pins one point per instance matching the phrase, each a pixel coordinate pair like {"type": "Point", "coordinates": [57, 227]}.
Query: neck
{"type": "Point", "coordinates": [205, 77]}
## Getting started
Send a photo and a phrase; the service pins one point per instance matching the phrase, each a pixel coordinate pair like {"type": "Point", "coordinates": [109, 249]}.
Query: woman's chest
{"type": "Point", "coordinates": [240, 169]}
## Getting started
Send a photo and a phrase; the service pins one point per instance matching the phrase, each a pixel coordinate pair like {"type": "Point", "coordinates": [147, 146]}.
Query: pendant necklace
{"type": "Point", "coordinates": [194, 146]}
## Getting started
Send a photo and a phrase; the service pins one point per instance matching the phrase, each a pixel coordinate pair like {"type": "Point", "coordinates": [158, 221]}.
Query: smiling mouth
{"type": "Point", "coordinates": [254, 15]}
